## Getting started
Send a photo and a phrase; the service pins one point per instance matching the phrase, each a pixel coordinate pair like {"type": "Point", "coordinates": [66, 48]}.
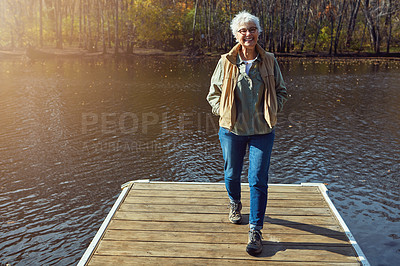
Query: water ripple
{"type": "Point", "coordinates": [74, 131]}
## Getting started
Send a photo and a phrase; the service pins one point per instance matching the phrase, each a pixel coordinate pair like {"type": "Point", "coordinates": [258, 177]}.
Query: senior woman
{"type": "Point", "coordinates": [247, 91]}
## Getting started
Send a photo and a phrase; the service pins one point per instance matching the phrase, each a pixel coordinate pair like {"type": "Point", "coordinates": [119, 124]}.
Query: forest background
{"type": "Point", "coordinates": [200, 26]}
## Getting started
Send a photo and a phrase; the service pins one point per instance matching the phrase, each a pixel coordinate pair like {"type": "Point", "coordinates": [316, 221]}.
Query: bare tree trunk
{"type": "Point", "coordinates": [339, 25]}
{"type": "Point", "coordinates": [330, 14]}
{"type": "Point", "coordinates": [200, 29]}
{"type": "Point", "coordinates": [210, 25]}
{"type": "Point", "coordinates": [116, 28]}
{"type": "Point", "coordinates": [230, 19]}
{"type": "Point", "coordinates": [101, 7]}
{"type": "Point", "coordinates": [363, 36]}
{"type": "Point", "coordinates": [319, 25]}
{"type": "Point", "coordinates": [282, 27]}
{"type": "Point", "coordinates": [262, 18]}
{"type": "Point", "coordinates": [58, 19]}
{"type": "Point", "coordinates": [41, 23]}
{"type": "Point", "coordinates": [271, 19]}
{"type": "Point", "coordinates": [98, 27]}
{"type": "Point", "coordinates": [303, 35]}
{"type": "Point", "coordinates": [80, 23]}
{"type": "Point", "coordinates": [291, 23]}
{"type": "Point", "coordinates": [389, 24]}
{"type": "Point", "coordinates": [194, 23]}
{"type": "Point", "coordinates": [330, 47]}
{"type": "Point", "coordinates": [61, 24]}
{"type": "Point", "coordinates": [109, 31]}
{"type": "Point", "coordinates": [372, 27]}
{"type": "Point", "coordinates": [12, 39]}
{"type": "Point", "coordinates": [72, 22]}
{"type": "Point", "coordinates": [85, 15]}
{"type": "Point", "coordinates": [352, 22]}
{"type": "Point", "coordinates": [89, 27]}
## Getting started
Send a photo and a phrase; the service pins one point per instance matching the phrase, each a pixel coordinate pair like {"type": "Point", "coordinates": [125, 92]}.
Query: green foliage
{"type": "Point", "coordinates": [154, 24]}
{"type": "Point", "coordinates": [324, 38]}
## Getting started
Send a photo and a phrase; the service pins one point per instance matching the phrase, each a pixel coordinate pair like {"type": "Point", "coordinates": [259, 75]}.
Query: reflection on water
{"type": "Point", "coordinates": [73, 131]}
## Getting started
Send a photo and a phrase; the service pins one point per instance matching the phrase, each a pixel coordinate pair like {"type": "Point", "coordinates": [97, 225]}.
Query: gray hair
{"type": "Point", "coordinates": [241, 18]}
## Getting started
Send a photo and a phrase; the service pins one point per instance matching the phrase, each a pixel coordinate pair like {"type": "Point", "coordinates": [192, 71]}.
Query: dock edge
{"type": "Point", "coordinates": [353, 242]}
{"type": "Point", "coordinates": [128, 185]}
{"type": "Point", "coordinates": [96, 240]}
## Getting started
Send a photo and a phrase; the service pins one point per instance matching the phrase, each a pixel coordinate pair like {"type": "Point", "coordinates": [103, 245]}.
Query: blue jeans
{"type": "Point", "coordinates": [234, 149]}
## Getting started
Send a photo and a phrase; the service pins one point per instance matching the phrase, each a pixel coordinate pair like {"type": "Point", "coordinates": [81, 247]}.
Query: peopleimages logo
{"type": "Point", "coordinates": [149, 122]}
{"type": "Point", "coordinates": [146, 132]}
{"type": "Point", "coordinates": [168, 123]}
{"type": "Point", "coordinates": [142, 132]}
{"type": "Point", "coordinates": [116, 146]}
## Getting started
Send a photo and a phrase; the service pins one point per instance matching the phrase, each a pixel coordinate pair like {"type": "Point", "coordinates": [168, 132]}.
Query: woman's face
{"type": "Point", "coordinates": [247, 35]}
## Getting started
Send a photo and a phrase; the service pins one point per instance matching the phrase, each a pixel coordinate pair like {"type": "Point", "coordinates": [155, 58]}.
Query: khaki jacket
{"type": "Point", "coordinates": [222, 100]}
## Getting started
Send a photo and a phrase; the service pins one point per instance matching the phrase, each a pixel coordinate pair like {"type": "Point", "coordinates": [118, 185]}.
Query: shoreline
{"type": "Point", "coordinates": [47, 53]}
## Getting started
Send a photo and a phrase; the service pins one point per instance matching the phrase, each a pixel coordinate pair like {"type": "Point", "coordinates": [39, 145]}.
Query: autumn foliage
{"type": "Point", "coordinates": [122, 25]}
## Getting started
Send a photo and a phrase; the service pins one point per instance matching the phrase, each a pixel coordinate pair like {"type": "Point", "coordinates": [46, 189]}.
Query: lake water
{"type": "Point", "coordinates": [73, 130]}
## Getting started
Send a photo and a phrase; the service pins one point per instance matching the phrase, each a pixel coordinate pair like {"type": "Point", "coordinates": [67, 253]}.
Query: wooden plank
{"type": "Point", "coordinates": [221, 237]}
{"type": "Point", "coordinates": [224, 209]}
{"type": "Point", "coordinates": [221, 187]}
{"type": "Point", "coordinates": [317, 202]}
{"type": "Point", "coordinates": [101, 260]}
{"type": "Point", "coordinates": [279, 251]}
{"type": "Point", "coordinates": [221, 218]}
{"type": "Point", "coordinates": [326, 230]}
{"type": "Point", "coordinates": [187, 224]}
{"type": "Point", "coordinates": [217, 194]}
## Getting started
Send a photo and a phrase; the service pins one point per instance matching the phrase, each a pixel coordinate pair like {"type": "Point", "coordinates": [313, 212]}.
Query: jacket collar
{"type": "Point", "coordinates": [232, 55]}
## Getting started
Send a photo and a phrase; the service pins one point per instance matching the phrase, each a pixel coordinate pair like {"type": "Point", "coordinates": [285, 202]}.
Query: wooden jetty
{"type": "Point", "coordinates": [176, 223]}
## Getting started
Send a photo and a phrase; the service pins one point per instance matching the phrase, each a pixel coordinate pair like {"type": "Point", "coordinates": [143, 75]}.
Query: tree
{"type": "Point", "coordinates": [116, 28]}
{"type": "Point", "coordinates": [371, 15]}
{"type": "Point", "coordinates": [41, 23]}
{"type": "Point", "coordinates": [330, 13]}
{"type": "Point", "coordinates": [355, 5]}
{"type": "Point", "coordinates": [339, 24]}
{"type": "Point", "coordinates": [194, 23]}
{"type": "Point", "coordinates": [58, 23]}
{"type": "Point", "coordinates": [388, 25]}
{"type": "Point", "coordinates": [303, 35]}
{"type": "Point", "coordinates": [288, 25]}
{"type": "Point", "coordinates": [321, 15]}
